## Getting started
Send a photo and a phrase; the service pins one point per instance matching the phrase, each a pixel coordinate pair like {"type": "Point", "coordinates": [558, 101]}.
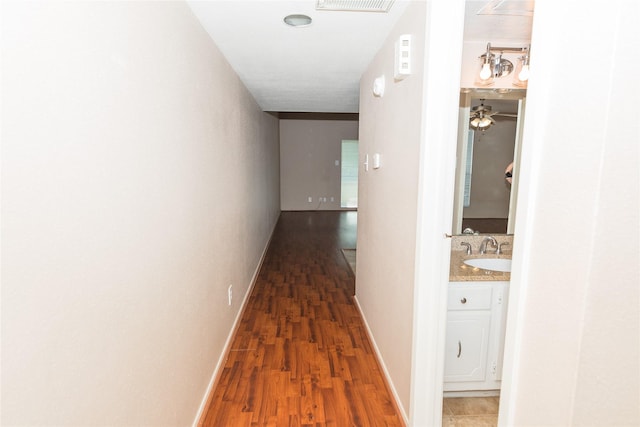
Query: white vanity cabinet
{"type": "Point", "coordinates": [475, 335]}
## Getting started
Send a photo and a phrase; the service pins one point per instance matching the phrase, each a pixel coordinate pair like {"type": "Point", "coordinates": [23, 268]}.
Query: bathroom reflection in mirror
{"type": "Point", "coordinates": [489, 134]}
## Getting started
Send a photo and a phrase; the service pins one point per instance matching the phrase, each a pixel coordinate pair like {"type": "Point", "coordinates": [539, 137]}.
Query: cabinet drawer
{"type": "Point", "coordinates": [472, 297]}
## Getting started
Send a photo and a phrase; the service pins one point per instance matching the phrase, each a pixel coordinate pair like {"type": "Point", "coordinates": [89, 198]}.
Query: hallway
{"type": "Point", "coordinates": [301, 355]}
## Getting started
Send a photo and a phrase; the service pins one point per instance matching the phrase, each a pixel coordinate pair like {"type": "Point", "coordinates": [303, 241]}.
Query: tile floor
{"type": "Point", "coordinates": [470, 412]}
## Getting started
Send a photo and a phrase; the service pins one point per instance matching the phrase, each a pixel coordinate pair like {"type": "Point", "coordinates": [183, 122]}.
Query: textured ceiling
{"type": "Point", "coordinates": [318, 68]}
{"type": "Point", "coordinates": [498, 20]}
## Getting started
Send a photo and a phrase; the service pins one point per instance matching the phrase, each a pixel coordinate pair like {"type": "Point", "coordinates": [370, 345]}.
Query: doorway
{"type": "Point", "coordinates": [349, 174]}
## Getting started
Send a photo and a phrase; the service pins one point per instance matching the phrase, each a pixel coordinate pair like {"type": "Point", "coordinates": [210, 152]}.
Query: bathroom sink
{"type": "Point", "coordinates": [494, 264]}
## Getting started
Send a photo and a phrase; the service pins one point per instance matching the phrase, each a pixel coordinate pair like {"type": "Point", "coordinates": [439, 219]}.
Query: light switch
{"type": "Point", "coordinates": [378, 86]}
{"type": "Point", "coordinates": [376, 160]}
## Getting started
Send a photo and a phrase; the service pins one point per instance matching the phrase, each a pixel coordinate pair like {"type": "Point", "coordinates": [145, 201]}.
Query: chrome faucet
{"type": "Point", "coordinates": [468, 246]}
{"type": "Point", "coordinates": [499, 251]}
{"type": "Point", "coordinates": [483, 245]}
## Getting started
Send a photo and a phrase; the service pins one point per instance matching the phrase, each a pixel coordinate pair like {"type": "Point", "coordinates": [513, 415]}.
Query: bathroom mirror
{"type": "Point", "coordinates": [484, 201]}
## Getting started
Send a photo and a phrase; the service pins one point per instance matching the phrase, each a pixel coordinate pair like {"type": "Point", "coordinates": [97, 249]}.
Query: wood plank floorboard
{"type": "Point", "coordinates": [301, 355]}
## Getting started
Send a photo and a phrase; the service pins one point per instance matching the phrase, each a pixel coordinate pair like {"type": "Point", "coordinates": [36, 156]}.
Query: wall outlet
{"type": "Point", "coordinates": [310, 199]}
{"type": "Point", "coordinates": [332, 199]}
{"type": "Point", "coordinates": [230, 293]}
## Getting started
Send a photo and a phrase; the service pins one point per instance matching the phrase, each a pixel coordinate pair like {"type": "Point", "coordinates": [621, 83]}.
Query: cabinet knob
{"type": "Point", "coordinates": [463, 300]}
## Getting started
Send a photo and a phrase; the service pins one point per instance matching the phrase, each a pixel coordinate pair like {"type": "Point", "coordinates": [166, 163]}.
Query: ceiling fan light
{"type": "Point", "coordinates": [485, 122]}
{"type": "Point", "coordinates": [481, 117]}
{"type": "Point", "coordinates": [481, 123]}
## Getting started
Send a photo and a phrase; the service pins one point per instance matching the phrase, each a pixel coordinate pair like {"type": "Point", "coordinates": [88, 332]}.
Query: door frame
{"type": "Point", "coordinates": [444, 28]}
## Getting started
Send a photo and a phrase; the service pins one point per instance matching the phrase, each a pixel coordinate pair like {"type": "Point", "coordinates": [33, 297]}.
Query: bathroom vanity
{"type": "Point", "coordinates": [476, 324]}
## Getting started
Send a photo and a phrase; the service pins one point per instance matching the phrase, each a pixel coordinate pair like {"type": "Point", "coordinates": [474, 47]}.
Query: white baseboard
{"type": "Point", "coordinates": [234, 328]}
{"type": "Point", "coordinates": [403, 413]}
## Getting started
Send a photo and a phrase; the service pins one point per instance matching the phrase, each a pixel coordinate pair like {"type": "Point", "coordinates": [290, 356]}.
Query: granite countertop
{"type": "Point", "coordinates": [460, 272]}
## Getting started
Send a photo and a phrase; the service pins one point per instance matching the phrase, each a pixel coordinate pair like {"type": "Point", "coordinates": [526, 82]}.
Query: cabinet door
{"type": "Point", "coordinates": [466, 346]}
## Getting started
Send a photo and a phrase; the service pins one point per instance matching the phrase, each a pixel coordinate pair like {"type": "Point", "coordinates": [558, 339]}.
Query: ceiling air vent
{"type": "Point", "coordinates": [355, 5]}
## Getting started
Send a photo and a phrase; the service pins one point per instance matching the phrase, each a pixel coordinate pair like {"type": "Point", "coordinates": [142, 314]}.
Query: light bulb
{"type": "Point", "coordinates": [523, 75]}
{"type": "Point", "coordinates": [485, 73]}
{"type": "Point", "coordinates": [484, 123]}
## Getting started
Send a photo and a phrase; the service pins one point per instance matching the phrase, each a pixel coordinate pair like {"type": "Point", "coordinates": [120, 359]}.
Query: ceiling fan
{"type": "Point", "coordinates": [482, 117]}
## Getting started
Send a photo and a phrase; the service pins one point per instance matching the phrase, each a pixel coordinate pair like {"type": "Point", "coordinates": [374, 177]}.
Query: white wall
{"type": "Point", "coordinates": [139, 180]}
{"type": "Point", "coordinates": [308, 153]}
{"type": "Point", "coordinates": [391, 126]}
{"type": "Point", "coordinates": [573, 343]}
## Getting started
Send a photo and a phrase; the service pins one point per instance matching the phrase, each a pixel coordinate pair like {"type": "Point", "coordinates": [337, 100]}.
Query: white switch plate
{"type": "Point", "coordinates": [403, 57]}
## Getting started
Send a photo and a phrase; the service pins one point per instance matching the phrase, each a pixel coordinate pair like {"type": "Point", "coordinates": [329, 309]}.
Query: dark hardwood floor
{"type": "Point", "coordinates": [301, 355]}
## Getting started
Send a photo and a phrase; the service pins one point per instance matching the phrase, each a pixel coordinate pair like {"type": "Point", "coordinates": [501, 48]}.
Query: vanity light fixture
{"type": "Point", "coordinates": [493, 65]}
{"type": "Point", "coordinates": [521, 74]}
